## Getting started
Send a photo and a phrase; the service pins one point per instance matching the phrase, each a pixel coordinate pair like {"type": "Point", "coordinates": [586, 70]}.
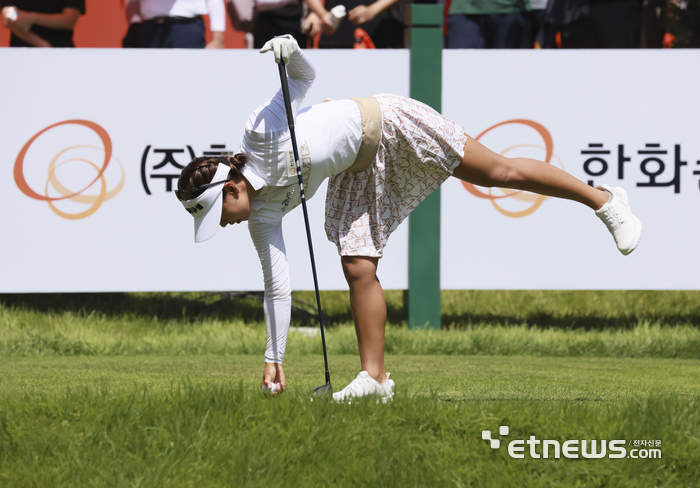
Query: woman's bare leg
{"type": "Point", "coordinates": [483, 167]}
{"type": "Point", "coordinates": [368, 312]}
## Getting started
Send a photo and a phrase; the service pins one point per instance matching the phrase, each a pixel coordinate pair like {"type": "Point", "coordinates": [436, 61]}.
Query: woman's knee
{"type": "Point", "coordinates": [483, 167]}
{"type": "Point", "coordinates": [358, 269]}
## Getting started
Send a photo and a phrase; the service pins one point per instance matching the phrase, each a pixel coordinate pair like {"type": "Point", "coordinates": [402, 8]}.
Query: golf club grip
{"type": "Point", "coordinates": [290, 122]}
{"type": "Point", "coordinates": [285, 95]}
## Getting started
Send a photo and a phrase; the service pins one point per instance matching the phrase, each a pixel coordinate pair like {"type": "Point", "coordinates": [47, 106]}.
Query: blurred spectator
{"type": "Point", "coordinates": [131, 39]}
{"type": "Point", "coordinates": [542, 34]}
{"type": "Point", "coordinates": [261, 20]}
{"type": "Point", "coordinates": [276, 18]}
{"type": "Point", "coordinates": [382, 21]}
{"type": "Point", "coordinates": [242, 15]}
{"type": "Point", "coordinates": [497, 24]}
{"type": "Point", "coordinates": [41, 23]}
{"type": "Point", "coordinates": [653, 15]}
{"type": "Point", "coordinates": [176, 23]}
{"type": "Point", "coordinates": [682, 24]}
{"type": "Point", "coordinates": [597, 23]}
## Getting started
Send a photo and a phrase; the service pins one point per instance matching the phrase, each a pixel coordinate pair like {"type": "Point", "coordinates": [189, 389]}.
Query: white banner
{"type": "Point", "coordinates": [625, 118]}
{"type": "Point", "coordinates": [91, 141]}
{"type": "Point", "coordinates": [73, 226]}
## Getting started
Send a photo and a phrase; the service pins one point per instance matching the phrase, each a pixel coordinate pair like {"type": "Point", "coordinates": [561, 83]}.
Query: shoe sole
{"type": "Point", "coordinates": [349, 400]}
{"type": "Point", "coordinates": [638, 234]}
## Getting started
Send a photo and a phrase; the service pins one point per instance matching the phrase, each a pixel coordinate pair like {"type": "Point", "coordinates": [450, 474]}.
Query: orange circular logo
{"type": "Point", "coordinates": [531, 200]}
{"type": "Point", "coordinates": [55, 190]}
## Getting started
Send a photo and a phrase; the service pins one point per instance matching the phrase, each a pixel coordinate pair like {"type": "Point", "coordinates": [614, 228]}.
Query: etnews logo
{"type": "Point", "coordinates": [588, 449]}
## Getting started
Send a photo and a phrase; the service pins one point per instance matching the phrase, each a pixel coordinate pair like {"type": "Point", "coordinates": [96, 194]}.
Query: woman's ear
{"type": "Point", "coordinates": [231, 186]}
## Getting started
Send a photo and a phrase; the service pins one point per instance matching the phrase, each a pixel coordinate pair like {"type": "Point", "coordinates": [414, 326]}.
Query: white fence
{"type": "Point", "coordinates": [71, 225]}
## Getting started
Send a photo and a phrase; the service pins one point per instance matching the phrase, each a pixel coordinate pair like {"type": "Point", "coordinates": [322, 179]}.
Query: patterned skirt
{"type": "Point", "coordinates": [418, 151]}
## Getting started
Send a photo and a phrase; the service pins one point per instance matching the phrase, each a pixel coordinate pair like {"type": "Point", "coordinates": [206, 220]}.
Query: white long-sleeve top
{"type": "Point", "coordinates": [328, 137]}
{"type": "Point", "coordinates": [216, 9]}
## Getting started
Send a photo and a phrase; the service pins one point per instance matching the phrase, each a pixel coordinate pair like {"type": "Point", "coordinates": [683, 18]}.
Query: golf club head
{"type": "Point", "coordinates": [324, 390]}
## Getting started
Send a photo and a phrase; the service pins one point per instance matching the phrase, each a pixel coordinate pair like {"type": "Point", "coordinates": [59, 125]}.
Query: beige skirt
{"type": "Point", "coordinates": [418, 150]}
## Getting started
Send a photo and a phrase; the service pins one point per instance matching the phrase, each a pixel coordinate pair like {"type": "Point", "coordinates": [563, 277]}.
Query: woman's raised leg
{"type": "Point", "coordinates": [483, 167]}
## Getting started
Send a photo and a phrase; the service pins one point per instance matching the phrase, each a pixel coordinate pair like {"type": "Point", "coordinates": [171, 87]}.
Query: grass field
{"type": "Point", "coordinates": [142, 390]}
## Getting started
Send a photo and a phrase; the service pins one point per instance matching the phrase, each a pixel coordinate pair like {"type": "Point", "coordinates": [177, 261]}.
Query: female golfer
{"type": "Point", "coordinates": [383, 155]}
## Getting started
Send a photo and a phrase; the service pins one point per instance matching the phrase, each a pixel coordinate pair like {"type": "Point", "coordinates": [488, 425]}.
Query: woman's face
{"type": "Point", "coordinates": [236, 206]}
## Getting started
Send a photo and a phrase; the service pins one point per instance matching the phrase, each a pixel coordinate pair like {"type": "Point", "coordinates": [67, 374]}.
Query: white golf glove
{"type": "Point", "coordinates": [282, 46]}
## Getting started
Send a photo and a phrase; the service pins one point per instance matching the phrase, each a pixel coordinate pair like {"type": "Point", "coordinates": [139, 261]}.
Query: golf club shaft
{"type": "Point", "coordinates": [297, 160]}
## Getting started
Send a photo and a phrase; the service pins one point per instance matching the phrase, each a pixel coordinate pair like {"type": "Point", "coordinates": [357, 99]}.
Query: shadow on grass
{"type": "Point", "coordinates": [165, 306]}
{"type": "Point", "coordinates": [570, 321]}
{"type": "Point", "coordinates": [622, 310]}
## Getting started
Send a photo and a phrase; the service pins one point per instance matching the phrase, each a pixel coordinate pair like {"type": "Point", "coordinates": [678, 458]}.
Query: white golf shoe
{"type": "Point", "coordinates": [364, 385]}
{"type": "Point", "coordinates": [625, 227]}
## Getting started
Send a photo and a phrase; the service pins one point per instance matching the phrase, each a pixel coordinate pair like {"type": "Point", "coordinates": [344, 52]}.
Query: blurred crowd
{"type": "Point", "coordinates": [469, 24]}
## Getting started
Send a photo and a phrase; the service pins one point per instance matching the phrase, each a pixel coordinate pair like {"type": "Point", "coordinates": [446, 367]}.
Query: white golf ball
{"type": "Point", "coordinates": [272, 389]}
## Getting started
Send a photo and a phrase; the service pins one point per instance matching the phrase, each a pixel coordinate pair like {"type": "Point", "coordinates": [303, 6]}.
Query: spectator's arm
{"type": "Point", "coordinates": [31, 38]}
{"type": "Point", "coordinates": [217, 23]}
{"type": "Point", "coordinates": [316, 6]}
{"type": "Point", "coordinates": [27, 36]}
{"type": "Point", "coordinates": [133, 7]}
{"type": "Point", "coordinates": [365, 13]}
{"type": "Point", "coordinates": [217, 41]}
{"type": "Point", "coordinates": [217, 15]}
{"type": "Point", "coordinates": [65, 20]}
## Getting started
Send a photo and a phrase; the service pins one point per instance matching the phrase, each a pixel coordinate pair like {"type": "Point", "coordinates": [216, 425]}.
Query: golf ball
{"type": "Point", "coordinates": [272, 389]}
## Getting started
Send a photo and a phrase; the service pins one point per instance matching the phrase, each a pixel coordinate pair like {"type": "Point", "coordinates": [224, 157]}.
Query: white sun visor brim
{"type": "Point", "coordinates": [207, 207]}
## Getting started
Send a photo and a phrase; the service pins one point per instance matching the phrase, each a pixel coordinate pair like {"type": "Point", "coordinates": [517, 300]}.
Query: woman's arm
{"type": "Point", "coordinates": [269, 242]}
{"type": "Point", "coordinates": [65, 20]}
{"type": "Point", "coordinates": [272, 115]}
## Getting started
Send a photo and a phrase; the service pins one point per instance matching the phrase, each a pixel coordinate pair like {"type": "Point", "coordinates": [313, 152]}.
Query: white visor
{"type": "Point", "coordinates": [207, 207]}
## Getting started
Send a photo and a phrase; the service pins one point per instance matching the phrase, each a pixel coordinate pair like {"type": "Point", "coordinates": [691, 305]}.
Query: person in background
{"type": "Point", "coordinates": [261, 20]}
{"type": "Point", "coordinates": [542, 34]}
{"type": "Point", "coordinates": [382, 20]}
{"type": "Point", "coordinates": [131, 39]}
{"type": "Point", "coordinates": [41, 23]}
{"type": "Point", "coordinates": [278, 17]}
{"type": "Point", "coordinates": [178, 23]}
{"type": "Point", "coordinates": [242, 15]}
{"type": "Point", "coordinates": [478, 24]}
{"type": "Point", "coordinates": [590, 24]}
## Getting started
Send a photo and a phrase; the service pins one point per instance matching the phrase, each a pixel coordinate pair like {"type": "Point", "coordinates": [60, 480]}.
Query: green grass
{"type": "Point", "coordinates": [123, 324]}
{"type": "Point", "coordinates": [198, 421]}
{"type": "Point", "coordinates": [137, 389]}
{"type": "Point", "coordinates": [553, 308]}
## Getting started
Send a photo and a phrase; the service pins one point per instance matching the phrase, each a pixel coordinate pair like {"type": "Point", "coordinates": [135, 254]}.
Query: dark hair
{"type": "Point", "coordinates": [202, 170]}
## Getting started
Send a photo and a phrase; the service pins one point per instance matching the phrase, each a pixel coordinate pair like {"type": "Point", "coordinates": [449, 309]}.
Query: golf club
{"type": "Point", "coordinates": [326, 389]}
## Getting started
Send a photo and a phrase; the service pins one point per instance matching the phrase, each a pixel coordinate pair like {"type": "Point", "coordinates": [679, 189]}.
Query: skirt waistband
{"type": "Point", "coordinates": [371, 133]}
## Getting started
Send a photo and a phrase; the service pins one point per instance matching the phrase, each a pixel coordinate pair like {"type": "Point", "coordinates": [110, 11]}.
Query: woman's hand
{"type": "Point", "coordinates": [283, 47]}
{"type": "Point", "coordinates": [273, 374]}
